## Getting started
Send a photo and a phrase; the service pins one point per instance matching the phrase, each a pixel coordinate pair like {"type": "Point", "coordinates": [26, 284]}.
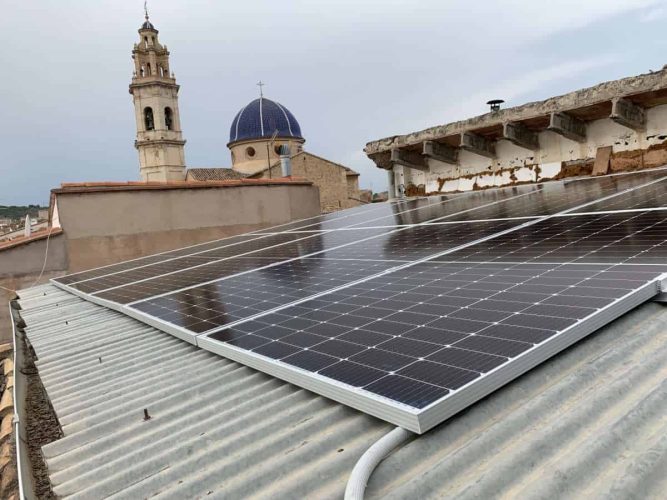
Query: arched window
{"type": "Point", "coordinates": [161, 71]}
{"type": "Point", "coordinates": [143, 71]}
{"type": "Point", "coordinates": [148, 119]}
{"type": "Point", "coordinates": [168, 118]}
{"type": "Point", "coordinates": [148, 69]}
{"type": "Point", "coordinates": [145, 42]}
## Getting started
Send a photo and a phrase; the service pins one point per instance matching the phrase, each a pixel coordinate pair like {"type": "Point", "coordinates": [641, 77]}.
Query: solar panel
{"type": "Point", "coordinates": [630, 237]}
{"type": "Point", "coordinates": [152, 259]}
{"type": "Point", "coordinates": [409, 310]}
{"type": "Point", "coordinates": [410, 344]}
{"type": "Point", "coordinates": [287, 282]}
{"type": "Point", "coordinates": [217, 261]}
{"type": "Point", "coordinates": [176, 273]}
{"type": "Point", "coordinates": [232, 244]}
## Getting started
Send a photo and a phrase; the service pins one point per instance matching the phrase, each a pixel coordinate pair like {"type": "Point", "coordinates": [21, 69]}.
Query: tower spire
{"type": "Point", "coordinates": [155, 94]}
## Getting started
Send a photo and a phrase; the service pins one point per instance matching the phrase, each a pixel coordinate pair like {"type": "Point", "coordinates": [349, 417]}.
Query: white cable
{"type": "Point", "coordinates": [356, 484]}
{"type": "Point", "coordinates": [46, 256]}
{"type": "Point", "coordinates": [41, 273]}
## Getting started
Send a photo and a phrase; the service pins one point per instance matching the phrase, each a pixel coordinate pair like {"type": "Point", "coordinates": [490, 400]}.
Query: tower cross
{"type": "Point", "coordinates": [146, 9]}
{"type": "Point", "coordinates": [261, 84]}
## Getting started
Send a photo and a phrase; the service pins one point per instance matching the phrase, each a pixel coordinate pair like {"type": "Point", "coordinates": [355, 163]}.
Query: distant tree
{"type": "Point", "coordinates": [19, 211]}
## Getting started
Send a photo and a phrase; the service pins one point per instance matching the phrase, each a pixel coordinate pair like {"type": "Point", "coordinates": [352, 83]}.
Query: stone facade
{"type": "Point", "coordinates": [155, 94]}
{"type": "Point", "coordinates": [338, 185]}
{"type": "Point", "coordinates": [620, 125]}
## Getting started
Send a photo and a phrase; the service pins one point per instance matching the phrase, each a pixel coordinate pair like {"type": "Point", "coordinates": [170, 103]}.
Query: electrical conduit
{"type": "Point", "coordinates": [363, 469]}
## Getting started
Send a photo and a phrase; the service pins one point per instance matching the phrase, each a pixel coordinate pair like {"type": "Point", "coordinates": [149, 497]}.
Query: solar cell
{"type": "Point", "coordinates": [209, 306]}
{"type": "Point", "coordinates": [632, 237]}
{"type": "Point", "coordinates": [653, 196]}
{"type": "Point", "coordinates": [378, 214]}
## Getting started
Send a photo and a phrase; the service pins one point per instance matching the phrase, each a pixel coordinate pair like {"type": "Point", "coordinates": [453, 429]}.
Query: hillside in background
{"type": "Point", "coordinates": [19, 211]}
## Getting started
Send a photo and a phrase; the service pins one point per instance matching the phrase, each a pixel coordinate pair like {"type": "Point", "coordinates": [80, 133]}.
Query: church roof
{"type": "Point", "coordinates": [214, 174]}
{"type": "Point", "coordinates": [348, 171]}
{"type": "Point", "coordinates": [260, 119]}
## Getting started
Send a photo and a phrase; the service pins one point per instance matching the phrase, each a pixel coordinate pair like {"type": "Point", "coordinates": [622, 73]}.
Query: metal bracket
{"type": "Point", "coordinates": [662, 289]}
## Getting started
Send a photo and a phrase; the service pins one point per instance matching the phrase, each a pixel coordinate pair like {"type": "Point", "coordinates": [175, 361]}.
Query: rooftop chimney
{"type": "Point", "coordinates": [285, 161]}
{"type": "Point", "coordinates": [27, 230]}
{"type": "Point", "coordinates": [495, 104]}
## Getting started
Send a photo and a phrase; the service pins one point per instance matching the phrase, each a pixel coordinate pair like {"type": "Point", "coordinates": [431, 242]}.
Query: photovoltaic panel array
{"type": "Point", "coordinates": [409, 310]}
{"type": "Point", "coordinates": [172, 271]}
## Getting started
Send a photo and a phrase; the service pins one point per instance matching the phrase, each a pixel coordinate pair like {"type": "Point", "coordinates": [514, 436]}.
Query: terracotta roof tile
{"type": "Point", "coordinates": [36, 236]}
{"type": "Point", "coordinates": [79, 187]}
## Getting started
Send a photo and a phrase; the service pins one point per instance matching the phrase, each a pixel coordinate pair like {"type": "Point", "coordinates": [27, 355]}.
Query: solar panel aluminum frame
{"type": "Point", "coordinates": [420, 421]}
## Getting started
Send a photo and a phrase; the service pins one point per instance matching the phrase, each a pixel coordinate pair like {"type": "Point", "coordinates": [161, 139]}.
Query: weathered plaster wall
{"type": "Point", "coordinates": [630, 150]}
{"type": "Point", "coordinates": [102, 228]}
{"type": "Point", "coordinates": [28, 258]}
{"type": "Point", "coordinates": [654, 82]}
{"type": "Point", "coordinates": [20, 267]}
{"type": "Point", "coordinates": [105, 227]}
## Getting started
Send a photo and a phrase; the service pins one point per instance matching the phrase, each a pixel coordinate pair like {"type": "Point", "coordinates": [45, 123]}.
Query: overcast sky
{"type": "Point", "coordinates": [350, 70]}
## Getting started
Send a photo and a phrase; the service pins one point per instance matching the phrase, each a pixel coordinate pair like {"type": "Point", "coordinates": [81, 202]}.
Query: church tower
{"type": "Point", "coordinates": [155, 95]}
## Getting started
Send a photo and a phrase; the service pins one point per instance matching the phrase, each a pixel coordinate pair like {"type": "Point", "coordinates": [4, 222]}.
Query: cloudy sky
{"type": "Point", "coordinates": [350, 70]}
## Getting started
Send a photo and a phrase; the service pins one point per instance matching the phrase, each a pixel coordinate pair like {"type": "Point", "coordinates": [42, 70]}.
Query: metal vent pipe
{"type": "Point", "coordinates": [285, 161]}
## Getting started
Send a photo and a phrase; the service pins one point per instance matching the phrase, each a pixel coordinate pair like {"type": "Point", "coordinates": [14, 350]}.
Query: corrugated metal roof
{"type": "Point", "coordinates": [591, 422]}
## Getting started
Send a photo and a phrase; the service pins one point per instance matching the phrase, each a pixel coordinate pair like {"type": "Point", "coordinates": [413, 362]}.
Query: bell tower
{"type": "Point", "coordinates": [155, 94]}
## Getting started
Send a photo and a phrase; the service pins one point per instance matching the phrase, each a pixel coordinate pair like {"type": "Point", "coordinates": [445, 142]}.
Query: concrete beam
{"type": "Point", "coordinates": [520, 135]}
{"type": "Point", "coordinates": [568, 126]}
{"type": "Point", "coordinates": [408, 159]}
{"type": "Point", "coordinates": [440, 152]}
{"type": "Point", "coordinates": [478, 144]}
{"type": "Point", "coordinates": [628, 114]}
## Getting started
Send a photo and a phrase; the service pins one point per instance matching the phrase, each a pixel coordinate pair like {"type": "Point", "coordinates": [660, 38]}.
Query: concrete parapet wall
{"type": "Point", "coordinates": [105, 224]}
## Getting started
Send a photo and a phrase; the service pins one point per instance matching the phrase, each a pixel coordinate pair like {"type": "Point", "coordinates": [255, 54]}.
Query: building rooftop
{"type": "Point", "coordinates": [36, 236]}
{"type": "Point", "coordinates": [348, 171]}
{"type": "Point", "coordinates": [587, 423]}
{"type": "Point", "coordinates": [78, 187]}
{"type": "Point", "coordinates": [214, 174]}
{"type": "Point", "coordinates": [588, 104]}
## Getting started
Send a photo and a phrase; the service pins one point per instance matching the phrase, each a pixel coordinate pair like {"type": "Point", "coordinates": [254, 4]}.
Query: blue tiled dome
{"type": "Point", "coordinates": [262, 118]}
